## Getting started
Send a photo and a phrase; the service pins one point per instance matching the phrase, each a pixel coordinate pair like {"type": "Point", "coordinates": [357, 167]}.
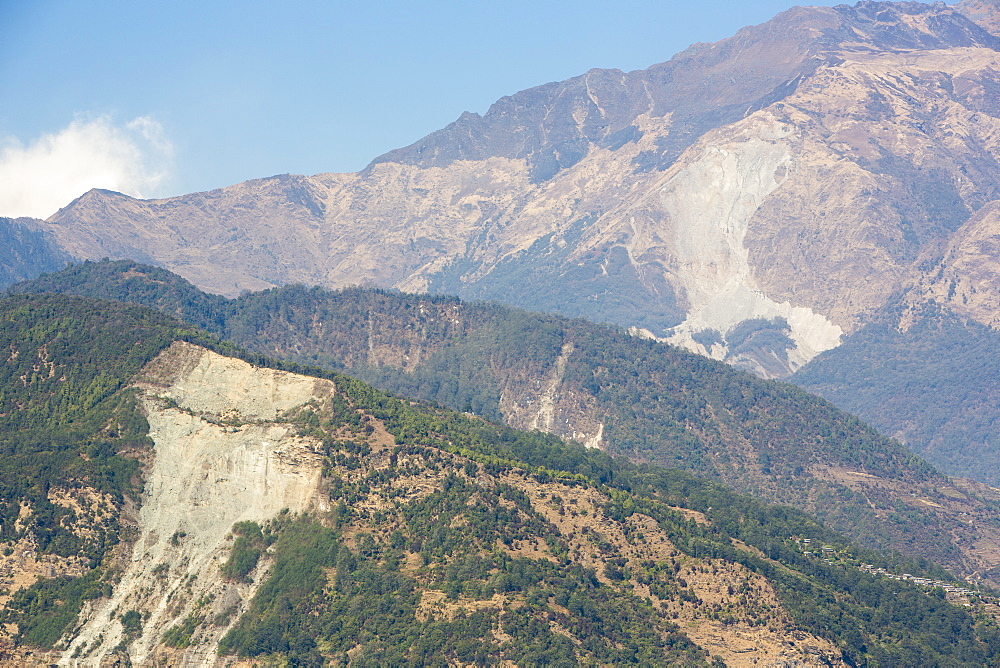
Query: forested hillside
{"type": "Point", "coordinates": [445, 538]}
{"type": "Point", "coordinates": [648, 401]}
{"type": "Point", "coordinates": [71, 445]}
{"type": "Point", "coordinates": [925, 376]}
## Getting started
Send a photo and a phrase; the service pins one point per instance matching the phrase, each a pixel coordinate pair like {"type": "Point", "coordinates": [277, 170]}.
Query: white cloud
{"type": "Point", "coordinates": [38, 178]}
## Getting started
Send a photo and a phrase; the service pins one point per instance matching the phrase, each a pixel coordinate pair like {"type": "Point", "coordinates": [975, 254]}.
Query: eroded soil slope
{"type": "Point", "coordinates": [222, 455]}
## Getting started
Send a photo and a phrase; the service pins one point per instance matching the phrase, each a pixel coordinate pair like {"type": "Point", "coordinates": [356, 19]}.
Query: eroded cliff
{"type": "Point", "coordinates": [222, 455]}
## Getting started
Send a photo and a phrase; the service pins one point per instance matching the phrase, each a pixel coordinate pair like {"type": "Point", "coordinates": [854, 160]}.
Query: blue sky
{"type": "Point", "coordinates": [173, 97]}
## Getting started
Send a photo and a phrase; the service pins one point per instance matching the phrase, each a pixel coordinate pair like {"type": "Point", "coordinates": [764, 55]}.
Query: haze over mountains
{"type": "Point", "coordinates": [826, 177]}
{"type": "Point", "coordinates": [815, 198]}
{"type": "Point", "coordinates": [797, 175]}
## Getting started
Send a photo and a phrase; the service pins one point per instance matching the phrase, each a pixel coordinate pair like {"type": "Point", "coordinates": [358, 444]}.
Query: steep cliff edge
{"type": "Point", "coordinates": [412, 534]}
{"type": "Point", "coordinates": [221, 455]}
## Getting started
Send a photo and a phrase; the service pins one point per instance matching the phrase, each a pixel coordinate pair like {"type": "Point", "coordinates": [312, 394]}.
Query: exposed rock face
{"type": "Point", "coordinates": [984, 12]}
{"type": "Point", "coordinates": [752, 199]}
{"type": "Point", "coordinates": [26, 252]}
{"type": "Point", "coordinates": [965, 277]}
{"type": "Point", "coordinates": [222, 456]}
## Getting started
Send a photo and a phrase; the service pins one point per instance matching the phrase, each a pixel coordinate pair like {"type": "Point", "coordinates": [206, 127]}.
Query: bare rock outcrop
{"type": "Point", "coordinates": [753, 199]}
{"type": "Point", "coordinates": [222, 456]}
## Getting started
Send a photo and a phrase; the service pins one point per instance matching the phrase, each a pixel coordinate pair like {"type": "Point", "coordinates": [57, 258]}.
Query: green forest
{"type": "Point", "coordinates": [935, 383]}
{"type": "Point", "coordinates": [658, 404]}
{"type": "Point", "coordinates": [455, 531]}
{"type": "Point", "coordinates": [346, 587]}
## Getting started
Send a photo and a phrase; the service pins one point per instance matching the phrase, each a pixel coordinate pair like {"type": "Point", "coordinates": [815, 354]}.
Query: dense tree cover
{"type": "Point", "coordinates": [935, 384]}
{"type": "Point", "coordinates": [71, 360]}
{"type": "Point", "coordinates": [132, 282]}
{"type": "Point", "coordinates": [497, 447]}
{"type": "Point", "coordinates": [68, 422]}
{"type": "Point", "coordinates": [44, 610]}
{"type": "Point", "coordinates": [247, 549]}
{"type": "Point", "coordinates": [662, 403]}
{"type": "Point", "coordinates": [657, 403]}
{"type": "Point", "coordinates": [372, 606]}
{"type": "Point", "coordinates": [65, 413]}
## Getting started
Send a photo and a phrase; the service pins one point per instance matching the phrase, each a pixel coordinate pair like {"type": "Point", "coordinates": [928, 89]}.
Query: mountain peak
{"type": "Point", "coordinates": [554, 125]}
{"type": "Point", "coordinates": [788, 177]}
{"type": "Point", "coordinates": [89, 198]}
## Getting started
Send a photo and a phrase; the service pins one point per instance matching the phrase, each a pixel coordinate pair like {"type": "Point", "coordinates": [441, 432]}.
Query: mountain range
{"type": "Point", "coordinates": [761, 200]}
{"type": "Point", "coordinates": [813, 199]}
{"type": "Point", "coordinates": [796, 175]}
{"type": "Point", "coordinates": [172, 500]}
{"type": "Point", "coordinates": [644, 400]}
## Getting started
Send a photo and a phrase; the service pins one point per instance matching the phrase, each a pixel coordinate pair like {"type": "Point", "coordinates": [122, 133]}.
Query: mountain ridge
{"type": "Point", "coordinates": [840, 150]}
{"type": "Point", "coordinates": [446, 538]}
{"type": "Point", "coordinates": [765, 243]}
{"type": "Point", "coordinates": [740, 59]}
{"type": "Point", "coordinates": [599, 386]}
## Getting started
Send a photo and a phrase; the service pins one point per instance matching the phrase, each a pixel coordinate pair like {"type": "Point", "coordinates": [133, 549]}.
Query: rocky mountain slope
{"type": "Point", "coordinates": [188, 507]}
{"type": "Point", "coordinates": [924, 376]}
{"type": "Point", "coordinates": [754, 199]}
{"type": "Point", "coordinates": [26, 251]}
{"type": "Point", "coordinates": [647, 401]}
{"type": "Point", "coordinates": [207, 474]}
{"type": "Point", "coordinates": [760, 200]}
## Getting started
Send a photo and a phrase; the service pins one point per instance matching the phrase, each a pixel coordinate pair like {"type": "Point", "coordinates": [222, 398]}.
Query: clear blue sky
{"type": "Point", "coordinates": [249, 89]}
